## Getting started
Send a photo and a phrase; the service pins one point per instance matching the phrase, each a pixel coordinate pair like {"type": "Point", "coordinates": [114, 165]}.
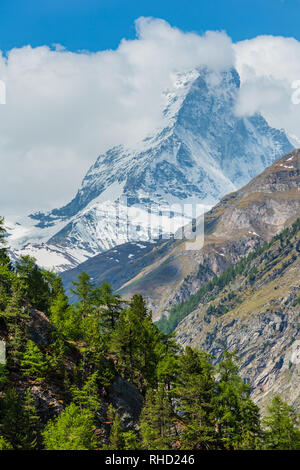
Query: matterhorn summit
{"type": "Point", "coordinates": [201, 151]}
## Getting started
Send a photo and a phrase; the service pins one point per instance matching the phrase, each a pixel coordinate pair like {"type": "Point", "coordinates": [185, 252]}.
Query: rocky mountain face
{"type": "Point", "coordinates": [257, 314]}
{"type": "Point", "coordinates": [201, 151]}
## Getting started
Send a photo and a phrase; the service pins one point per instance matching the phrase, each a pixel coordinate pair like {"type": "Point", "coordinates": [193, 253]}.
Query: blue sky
{"type": "Point", "coordinates": [63, 109]}
{"type": "Point", "coordinates": [101, 24]}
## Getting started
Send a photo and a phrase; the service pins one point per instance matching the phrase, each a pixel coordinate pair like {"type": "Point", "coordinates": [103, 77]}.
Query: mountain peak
{"type": "Point", "coordinates": [201, 152]}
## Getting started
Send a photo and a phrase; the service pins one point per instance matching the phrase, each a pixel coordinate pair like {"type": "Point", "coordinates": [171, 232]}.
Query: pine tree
{"type": "Point", "coordinates": [82, 319]}
{"type": "Point", "coordinates": [110, 306]}
{"type": "Point", "coordinates": [123, 344]}
{"type": "Point", "coordinates": [3, 376]}
{"type": "Point", "coordinates": [167, 369]}
{"type": "Point", "coordinates": [251, 432]}
{"type": "Point", "coordinates": [87, 396]}
{"type": "Point", "coordinates": [35, 283]}
{"type": "Point", "coordinates": [6, 280]}
{"type": "Point", "coordinates": [195, 392]}
{"type": "Point", "coordinates": [31, 423]}
{"type": "Point", "coordinates": [58, 311]}
{"type": "Point", "coordinates": [281, 427]}
{"type": "Point", "coordinates": [12, 420]}
{"type": "Point", "coordinates": [55, 357]}
{"type": "Point", "coordinates": [116, 440]}
{"type": "Point", "coordinates": [71, 430]}
{"type": "Point", "coordinates": [135, 340]}
{"type": "Point", "coordinates": [110, 414]}
{"type": "Point", "coordinates": [237, 416]}
{"type": "Point", "coordinates": [4, 258]}
{"type": "Point", "coordinates": [55, 284]}
{"type": "Point", "coordinates": [20, 423]}
{"type": "Point", "coordinates": [33, 363]}
{"type": "Point", "coordinates": [15, 317]}
{"type": "Point", "coordinates": [83, 289]}
{"type": "Point", "coordinates": [157, 420]}
{"type": "Point", "coordinates": [5, 445]}
{"type": "Point", "coordinates": [131, 441]}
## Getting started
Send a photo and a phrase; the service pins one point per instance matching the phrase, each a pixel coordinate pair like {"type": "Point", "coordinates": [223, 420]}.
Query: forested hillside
{"type": "Point", "coordinates": [99, 374]}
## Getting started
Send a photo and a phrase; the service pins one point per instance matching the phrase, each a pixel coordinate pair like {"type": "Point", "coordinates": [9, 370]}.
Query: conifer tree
{"type": "Point", "coordinates": [58, 311]}
{"type": "Point", "coordinates": [281, 427]}
{"type": "Point", "coordinates": [110, 306]}
{"type": "Point", "coordinates": [81, 317]}
{"type": "Point", "coordinates": [6, 280]}
{"type": "Point", "coordinates": [83, 289]}
{"type": "Point", "coordinates": [55, 284]}
{"type": "Point", "coordinates": [195, 391]}
{"type": "Point", "coordinates": [4, 258]}
{"type": "Point", "coordinates": [33, 363]}
{"type": "Point", "coordinates": [35, 284]}
{"type": "Point", "coordinates": [116, 440]}
{"type": "Point", "coordinates": [5, 445]}
{"type": "Point", "coordinates": [12, 419]}
{"type": "Point", "coordinates": [55, 357]}
{"type": "Point", "coordinates": [20, 423]}
{"type": "Point", "coordinates": [87, 396]}
{"type": "Point", "coordinates": [3, 376]}
{"type": "Point", "coordinates": [136, 342]}
{"type": "Point", "coordinates": [131, 441]}
{"type": "Point", "coordinates": [167, 369]}
{"type": "Point", "coordinates": [237, 416]}
{"type": "Point", "coordinates": [123, 344]}
{"type": "Point", "coordinates": [251, 432]}
{"type": "Point", "coordinates": [157, 420]}
{"type": "Point", "coordinates": [32, 423]}
{"type": "Point", "coordinates": [15, 316]}
{"type": "Point", "coordinates": [71, 430]}
{"type": "Point", "coordinates": [110, 414]}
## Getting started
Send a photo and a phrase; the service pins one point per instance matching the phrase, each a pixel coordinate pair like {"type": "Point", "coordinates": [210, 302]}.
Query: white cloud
{"type": "Point", "coordinates": [62, 108]}
{"type": "Point", "coordinates": [269, 66]}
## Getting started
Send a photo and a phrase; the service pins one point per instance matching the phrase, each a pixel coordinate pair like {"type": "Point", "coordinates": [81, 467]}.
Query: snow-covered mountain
{"type": "Point", "coordinates": [202, 151]}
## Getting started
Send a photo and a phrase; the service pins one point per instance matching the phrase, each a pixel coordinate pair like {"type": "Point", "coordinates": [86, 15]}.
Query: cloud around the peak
{"type": "Point", "coordinates": [269, 67]}
{"type": "Point", "coordinates": [64, 108]}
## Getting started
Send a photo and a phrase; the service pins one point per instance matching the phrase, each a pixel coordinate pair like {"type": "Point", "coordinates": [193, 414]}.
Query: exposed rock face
{"type": "Point", "coordinates": [39, 327]}
{"type": "Point", "coordinates": [128, 401]}
{"type": "Point", "coordinates": [201, 151]}
{"type": "Point", "coordinates": [259, 318]}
